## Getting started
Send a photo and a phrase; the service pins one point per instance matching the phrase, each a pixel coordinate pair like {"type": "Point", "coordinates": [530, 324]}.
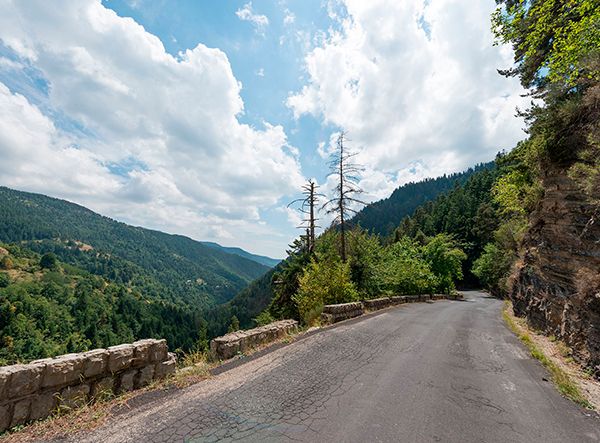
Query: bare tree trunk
{"type": "Point", "coordinates": [311, 244]}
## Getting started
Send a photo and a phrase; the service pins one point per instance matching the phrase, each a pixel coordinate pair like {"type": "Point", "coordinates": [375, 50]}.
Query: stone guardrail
{"type": "Point", "coordinates": [344, 311]}
{"type": "Point", "coordinates": [35, 390]}
{"type": "Point", "coordinates": [227, 346]}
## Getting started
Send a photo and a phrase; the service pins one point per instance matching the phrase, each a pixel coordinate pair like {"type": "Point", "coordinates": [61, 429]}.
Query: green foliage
{"type": "Point", "coordinates": [492, 268]}
{"type": "Point", "coordinates": [586, 172]}
{"type": "Point", "coordinates": [286, 282]}
{"type": "Point", "coordinates": [264, 318]}
{"type": "Point", "coordinates": [70, 310]}
{"type": "Point", "coordinates": [4, 280]}
{"type": "Point", "coordinates": [48, 261]}
{"type": "Point", "coordinates": [468, 213]}
{"type": "Point", "coordinates": [402, 270]}
{"type": "Point", "coordinates": [364, 251]}
{"type": "Point", "coordinates": [234, 324]}
{"type": "Point", "coordinates": [552, 39]}
{"type": "Point", "coordinates": [445, 260]}
{"type": "Point", "coordinates": [322, 283]}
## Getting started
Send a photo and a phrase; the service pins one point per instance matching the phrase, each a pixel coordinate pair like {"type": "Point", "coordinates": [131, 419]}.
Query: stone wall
{"type": "Point", "coordinates": [227, 346]}
{"type": "Point", "coordinates": [344, 311]}
{"type": "Point", "coordinates": [33, 391]}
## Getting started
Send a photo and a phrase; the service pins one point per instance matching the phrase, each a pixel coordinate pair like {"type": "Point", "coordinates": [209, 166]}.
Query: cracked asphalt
{"type": "Point", "coordinates": [447, 371]}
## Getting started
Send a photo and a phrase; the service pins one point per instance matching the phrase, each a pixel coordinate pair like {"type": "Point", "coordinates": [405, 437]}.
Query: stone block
{"type": "Point", "coordinates": [5, 417]}
{"type": "Point", "coordinates": [166, 367]}
{"type": "Point", "coordinates": [95, 362]}
{"type": "Point", "coordinates": [103, 388]}
{"type": "Point", "coordinates": [43, 405]}
{"type": "Point", "coordinates": [159, 351]}
{"type": "Point", "coordinates": [24, 379]}
{"type": "Point", "coordinates": [63, 370]}
{"type": "Point", "coordinates": [127, 380]}
{"type": "Point", "coordinates": [142, 351]}
{"type": "Point", "coordinates": [145, 376]}
{"type": "Point", "coordinates": [73, 397]}
{"type": "Point", "coordinates": [120, 357]}
{"type": "Point", "coordinates": [20, 412]}
{"type": "Point", "coordinates": [4, 381]}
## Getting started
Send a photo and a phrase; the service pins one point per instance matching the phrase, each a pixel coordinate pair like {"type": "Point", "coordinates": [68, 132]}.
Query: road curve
{"type": "Point", "coordinates": [447, 371]}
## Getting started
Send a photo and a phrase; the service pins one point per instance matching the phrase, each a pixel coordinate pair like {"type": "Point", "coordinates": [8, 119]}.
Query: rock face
{"type": "Point", "coordinates": [33, 391]}
{"type": "Point", "coordinates": [556, 286]}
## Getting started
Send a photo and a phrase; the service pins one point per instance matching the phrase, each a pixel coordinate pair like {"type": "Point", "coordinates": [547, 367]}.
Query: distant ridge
{"type": "Point", "coordinates": [263, 260]}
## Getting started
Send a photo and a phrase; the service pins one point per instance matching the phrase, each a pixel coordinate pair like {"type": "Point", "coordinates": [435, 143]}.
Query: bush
{"type": "Point", "coordinates": [48, 261]}
{"type": "Point", "coordinates": [403, 271]}
{"type": "Point", "coordinates": [4, 280]}
{"type": "Point", "coordinates": [492, 268]}
{"type": "Point", "coordinates": [264, 318]}
{"type": "Point", "coordinates": [6, 263]}
{"type": "Point", "coordinates": [445, 260]}
{"type": "Point", "coordinates": [322, 283]}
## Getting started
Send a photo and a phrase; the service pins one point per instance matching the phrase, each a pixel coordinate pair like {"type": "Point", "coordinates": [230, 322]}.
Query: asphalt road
{"type": "Point", "coordinates": [447, 371]}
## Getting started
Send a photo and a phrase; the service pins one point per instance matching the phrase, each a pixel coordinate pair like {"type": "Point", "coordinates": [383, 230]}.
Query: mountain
{"type": "Point", "coordinates": [383, 216]}
{"type": "Point", "coordinates": [162, 266]}
{"type": "Point", "coordinates": [263, 260]}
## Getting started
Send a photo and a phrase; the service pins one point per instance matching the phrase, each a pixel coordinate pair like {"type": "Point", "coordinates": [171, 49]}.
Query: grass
{"type": "Point", "coordinates": [564, 383]}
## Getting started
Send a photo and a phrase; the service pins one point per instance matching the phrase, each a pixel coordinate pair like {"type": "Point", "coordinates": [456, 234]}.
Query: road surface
{"type": "Point", "coordinates": [448, 371]}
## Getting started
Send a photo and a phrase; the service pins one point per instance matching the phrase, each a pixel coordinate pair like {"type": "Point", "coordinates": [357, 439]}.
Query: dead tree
{"type": "Point", "coordinates": [347, 174]}
{"type": "Point", "coordinates": [308, 209]}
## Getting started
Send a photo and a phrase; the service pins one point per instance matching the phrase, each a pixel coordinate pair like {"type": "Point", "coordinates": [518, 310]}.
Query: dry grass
{"type": "Point", "coordinates": [570, 380]}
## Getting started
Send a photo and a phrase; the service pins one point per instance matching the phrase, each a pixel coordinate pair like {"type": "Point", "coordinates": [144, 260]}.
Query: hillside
{"type": "Point", "coordinates": [383, 216]}
{"type": "Point", "coordinates": [169, 267]}
{"type": "Point", "coordinates": [49, 308]}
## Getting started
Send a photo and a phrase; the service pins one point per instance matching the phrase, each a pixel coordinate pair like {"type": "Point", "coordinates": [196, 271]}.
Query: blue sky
{"type": "Point", "coordinates": [204, 117]}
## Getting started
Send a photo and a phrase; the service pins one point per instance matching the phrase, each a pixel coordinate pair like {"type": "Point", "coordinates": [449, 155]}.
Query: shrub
{"type": "Point", "coordinates": [325, 282]}
{"type": "Point", "coordinates": [445, 260]}
{"type": "Point", "coordinates": [6, 263]}
{"type": "Point", "coordinates": [48, 261]}
{"type": "Point", "coordinates": [264, 318]}
{"type": "Point", "coordinates": [4, 280]}
{"type": "Point", "coordinates": [402, 270]}
{"type": "Point", "coordinates": [492, 268]}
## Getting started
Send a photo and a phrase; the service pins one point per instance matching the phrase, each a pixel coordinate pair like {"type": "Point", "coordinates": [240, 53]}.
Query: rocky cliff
{"type": "Point", "coordinates": [556, 285]}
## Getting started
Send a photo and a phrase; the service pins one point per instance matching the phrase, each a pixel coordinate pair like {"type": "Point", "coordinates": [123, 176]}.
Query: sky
{"type": "Point", "coordinates": [204, 118]}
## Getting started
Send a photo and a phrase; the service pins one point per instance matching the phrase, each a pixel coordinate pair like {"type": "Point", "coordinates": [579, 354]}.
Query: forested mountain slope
{"type": "Point", "coordinates": [170, 267]}
{"type": "Point", "coordinates": [383, 216]}
{"type": "Point", "coordinates": [50, 308]}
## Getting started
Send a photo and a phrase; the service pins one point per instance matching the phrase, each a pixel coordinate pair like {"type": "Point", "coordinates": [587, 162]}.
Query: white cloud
{"type": "Point", "coordinates": [410, 95]}
{"type": "Point", "coordinates": [259, 21]}
{"type": "Point", "coordinates": [171, 123]}
{"type": "Point", "coordinates": [289, 17]}
{"type": "Point", "coordinates": [260, 72]}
